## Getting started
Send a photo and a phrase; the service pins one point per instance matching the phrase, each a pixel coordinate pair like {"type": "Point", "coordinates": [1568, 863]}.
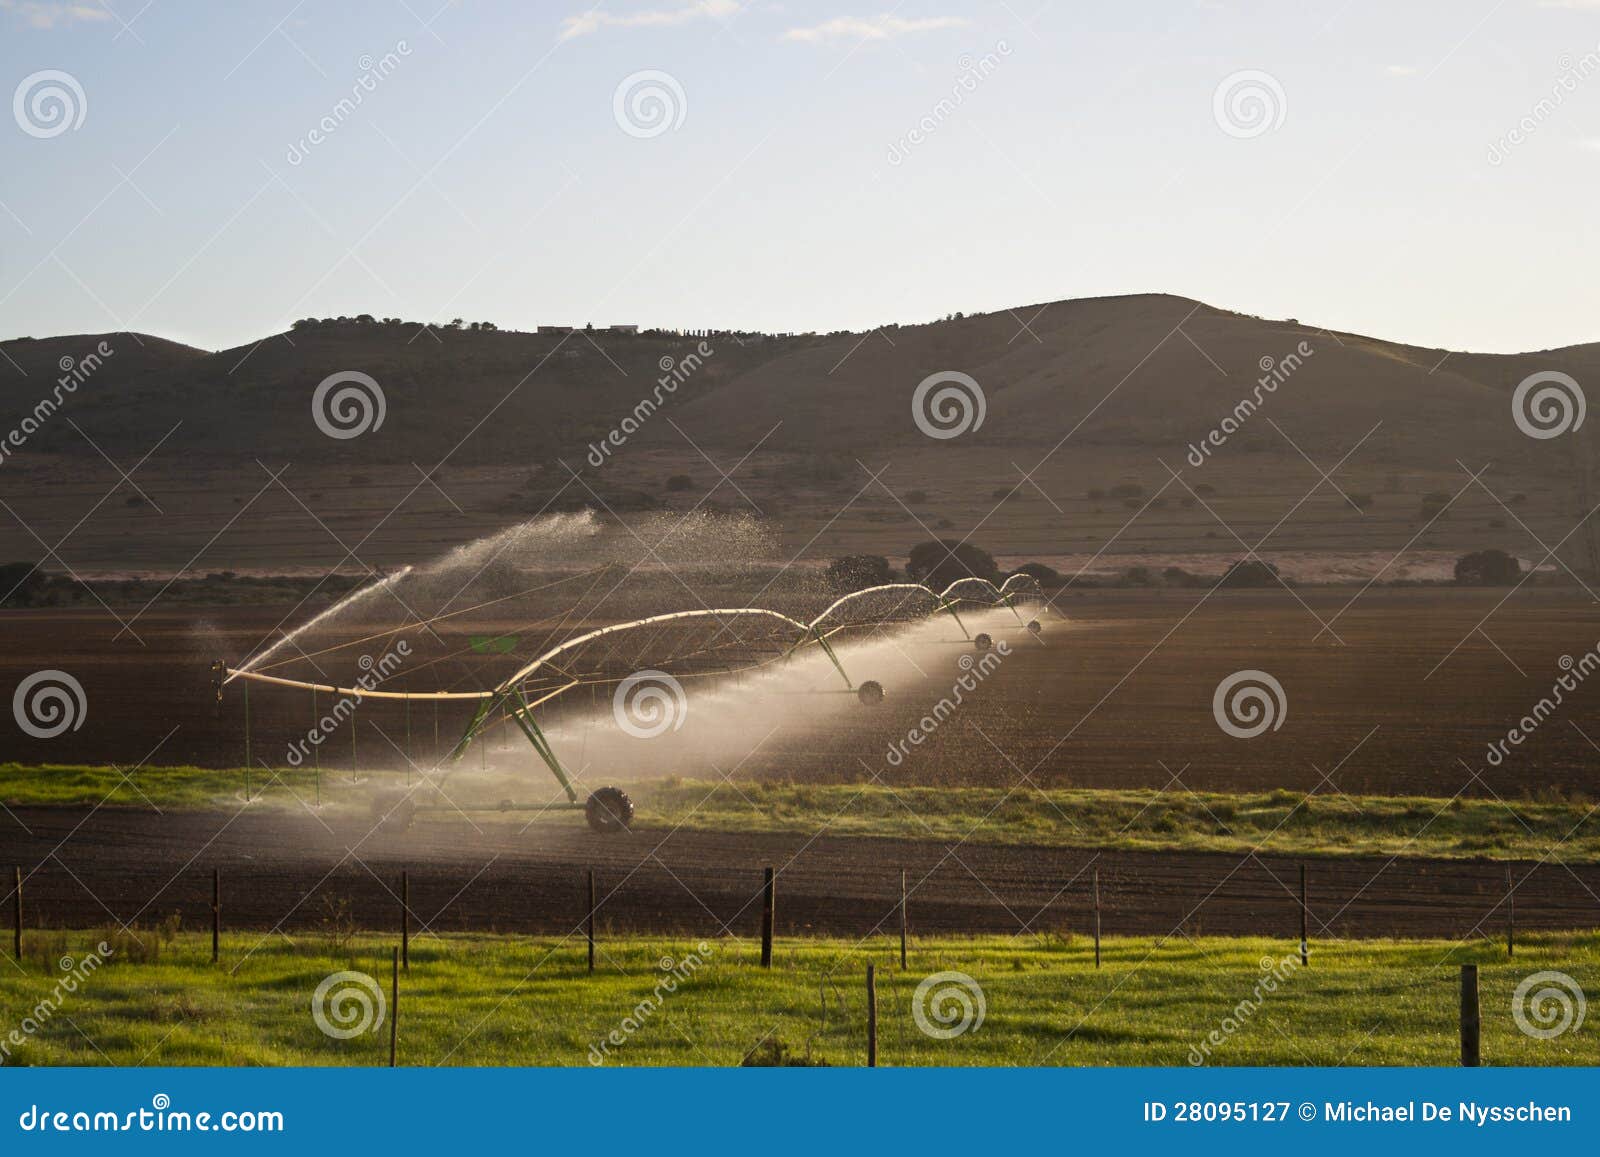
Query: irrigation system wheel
{"type": "Point", "coordinates": [609, 810]}
{"type": "Point", "coordinates": [870, 693]}
{"type": "Point", "coordinates": [982, 642]}
{"type": "Point", "coordinates": [393, 811]}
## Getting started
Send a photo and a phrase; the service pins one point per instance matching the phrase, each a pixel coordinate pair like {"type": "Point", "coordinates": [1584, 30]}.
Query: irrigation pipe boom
{"type": "Point", "coordinates": [591, 659]}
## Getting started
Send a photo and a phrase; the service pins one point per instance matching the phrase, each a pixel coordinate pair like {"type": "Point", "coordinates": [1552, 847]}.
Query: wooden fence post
{"type": "Point", "coordinates": [216, 914]}
{"type": "Point", "coordinates": [1097, 917]}
{"type": "Point", "coordinates": [591, 919]}
{"type": "Point", "coordinates": [1471, 1016]}
{"type": "Point", "coordinates": [16, 917]}
{"type": "Point", "coordinates": [768, 904]}
{"type": "Point", "coordinates": [903, 920]}
{"type": "Point", "coordinates": [1511, 916]}
{"type": "Point", "coordinates": [1305, 947]}
{"type": "Point", "coordinates": [394, 1009]}
{"type": "Point", "coordinates": [405, 919]}
{"type": "Point", "coordinates": [872, 1017]}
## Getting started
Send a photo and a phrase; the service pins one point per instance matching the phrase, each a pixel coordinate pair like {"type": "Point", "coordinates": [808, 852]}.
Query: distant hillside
{"type": "Point", "coordinates": [1150, 374]}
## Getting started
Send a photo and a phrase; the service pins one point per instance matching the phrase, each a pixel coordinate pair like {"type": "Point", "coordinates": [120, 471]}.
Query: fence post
{"type": "Point", "coordinates": [394, 1009]}
{"type": "Point", "coordinates": [405, 919]}
{"type": "Point", "coordinates": [768, 903]}
{"type": "Point", "coordinates": [216, 914]}
{"type": "Point", "coordinates": [16, 917]}
{"type": "Point", "coordinates": [903, 920]}
{"type": "Point", "coordinates": [1305, 947]}
{"type": "Point", "coordinates": [1471, 1016]}
{"type": "Point", "coordinates": [1511, 916]}
{"type": "Point", "coordinates": [591, 919]}
{"type": "Point", "coordinates": [1097, 917]}
{"type": "Point", "coordinates": [872, 1017]}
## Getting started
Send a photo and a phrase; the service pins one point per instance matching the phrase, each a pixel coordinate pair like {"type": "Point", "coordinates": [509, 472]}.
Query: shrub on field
{"type": "Point", "coordinates": [1250, 572]}
{"type": "Point", "coordinates": [916, 497]}
{"type": "Point", "coordinates": [1126, 490]}
{"type": "Point", "coordinates": [1045, 576]}
{"type": "Point", "coordinates": [20, 584]}
{"type": "Point", "coordinates": [1488, 568]}
{"type": "Point", "coordinates": [944, 560]}
{"type": "Point", "coordinates": [1361, 501]}
{"type": "Point", "coordinates": [678, 483]}
{"type": "Point", "coordinates": [856, 572]}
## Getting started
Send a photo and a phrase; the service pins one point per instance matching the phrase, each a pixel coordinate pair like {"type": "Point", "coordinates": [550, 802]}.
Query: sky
{"type": "Point", "coordinates": [1421, 171]}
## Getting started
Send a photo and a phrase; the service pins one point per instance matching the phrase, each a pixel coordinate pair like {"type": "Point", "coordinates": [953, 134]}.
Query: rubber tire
{"type": "Point", "coordinates": [393, 811]}
{"type": "Point", "coordinates": [608, 810]}
{"type": "Point", "coordinates": [982, 643]}
{"type": "Point", "coordinates": [870, 693]}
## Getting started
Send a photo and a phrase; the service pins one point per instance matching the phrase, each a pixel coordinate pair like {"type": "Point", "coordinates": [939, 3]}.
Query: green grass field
{"type": "Point", "coordinates": [481, 1000]}
{"type": "Point", "coordinates": [1286, 822]}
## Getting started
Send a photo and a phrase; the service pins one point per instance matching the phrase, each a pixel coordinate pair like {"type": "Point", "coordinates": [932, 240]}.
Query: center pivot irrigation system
{"type": "Point", "coordinates": [646, 661]}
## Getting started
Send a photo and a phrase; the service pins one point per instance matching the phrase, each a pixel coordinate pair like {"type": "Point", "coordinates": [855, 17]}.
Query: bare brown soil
{"type": "Point", "coordinates": [1118, 695]}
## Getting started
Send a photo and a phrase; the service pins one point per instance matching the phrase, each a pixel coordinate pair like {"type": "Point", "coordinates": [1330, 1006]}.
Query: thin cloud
{"type": "Point", "coordinates": [1401, 69]}
{"type": "Point", "coordinates": [43, 14]}
{"type": "Point", "coordinates": [880, 28]}
{"type": "Point", "coordinates": [597, 18]}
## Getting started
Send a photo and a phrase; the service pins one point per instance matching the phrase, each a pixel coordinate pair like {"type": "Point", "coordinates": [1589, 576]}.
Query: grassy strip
{"type": "Point", "coordinates": [1132, 820]}
{"type": "Point", "coordinates": [482, 1000]}
{"type": "Point", "coordinates": [1143, 820]}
